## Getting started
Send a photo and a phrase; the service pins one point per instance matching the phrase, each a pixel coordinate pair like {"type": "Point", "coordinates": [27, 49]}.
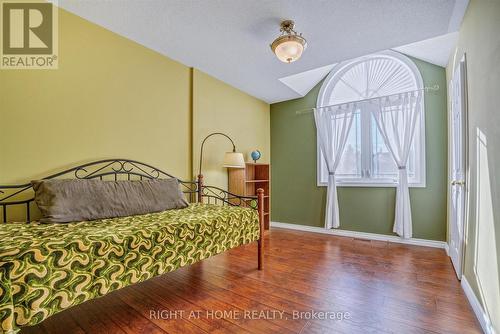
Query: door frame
{"type": "Point", "coordinates": [465, 111]}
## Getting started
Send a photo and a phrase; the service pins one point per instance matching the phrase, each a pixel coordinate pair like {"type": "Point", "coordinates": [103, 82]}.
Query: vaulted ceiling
{"type": "Point", "coordinates": [229, 39]}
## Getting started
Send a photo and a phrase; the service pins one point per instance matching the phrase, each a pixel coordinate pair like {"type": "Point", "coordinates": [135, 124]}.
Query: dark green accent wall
{"type": "Point", "coordinates": [296, 199]}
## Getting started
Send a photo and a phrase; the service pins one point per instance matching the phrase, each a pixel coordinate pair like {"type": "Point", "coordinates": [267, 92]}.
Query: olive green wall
{"type": "Point", "coordinates": [296, 198]}
{"type": "Point", "coordinates": [479, 39]}
{"type": "Point", "coordinates": [112, 97]}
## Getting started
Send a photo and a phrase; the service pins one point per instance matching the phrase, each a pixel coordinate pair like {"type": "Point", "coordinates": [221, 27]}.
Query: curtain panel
{"type": "Point", "coordinates": [333, 124]}
{"type": "Point", "coordinates": [396, 117]}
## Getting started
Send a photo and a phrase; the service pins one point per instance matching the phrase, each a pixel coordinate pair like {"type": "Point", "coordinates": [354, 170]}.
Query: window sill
{"type": "Point", "coordinates": [372, 184]}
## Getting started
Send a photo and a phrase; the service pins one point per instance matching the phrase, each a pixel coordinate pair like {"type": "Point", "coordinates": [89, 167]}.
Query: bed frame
{"type": "Point", "coordinates": [19, 198]}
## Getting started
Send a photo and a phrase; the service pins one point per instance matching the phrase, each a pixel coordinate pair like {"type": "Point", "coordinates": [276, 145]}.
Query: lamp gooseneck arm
{"type": "Point", "coordinates": [203, 143]}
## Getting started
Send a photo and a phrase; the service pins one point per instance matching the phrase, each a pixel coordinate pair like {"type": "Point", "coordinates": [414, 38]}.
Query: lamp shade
{"type": "Point", "coordinates": [288, 48]}
{"type": "Point", "coordinates": [234, 160]}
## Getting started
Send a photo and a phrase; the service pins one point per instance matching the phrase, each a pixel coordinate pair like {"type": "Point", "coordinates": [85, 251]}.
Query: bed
{"type": "Point", "coordinates": [46, 268]}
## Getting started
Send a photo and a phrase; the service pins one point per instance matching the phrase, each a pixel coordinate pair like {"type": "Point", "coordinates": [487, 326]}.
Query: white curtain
{"type": "Point", "coordinates": [333, 125]}
{"type": "Point", "coordinates": [396, 117]}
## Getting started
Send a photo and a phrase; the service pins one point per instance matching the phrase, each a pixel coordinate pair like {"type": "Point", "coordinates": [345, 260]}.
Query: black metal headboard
{"type": "Point", "coordinates": [22, 196]}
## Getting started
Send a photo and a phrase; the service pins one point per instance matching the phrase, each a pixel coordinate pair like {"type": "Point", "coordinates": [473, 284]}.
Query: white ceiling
{"type": "Point", "coordinates": [303, 82]}
{"type": "Point", "coordinates": [229, 39]}
{"type": "Point", "coordinates": [435, 50]}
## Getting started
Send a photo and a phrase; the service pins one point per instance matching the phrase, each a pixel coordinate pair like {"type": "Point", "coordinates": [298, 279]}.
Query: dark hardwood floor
{"type": "Point", "coordinates": [360, 286]}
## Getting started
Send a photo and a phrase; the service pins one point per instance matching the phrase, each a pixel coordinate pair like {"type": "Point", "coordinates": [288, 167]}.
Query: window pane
{"type": "Point", "coordinates": [350, 163]}
{"type": "Point", "coordinates": [414, 157]}
{"type": "Point", "coordinates": [383, 165]}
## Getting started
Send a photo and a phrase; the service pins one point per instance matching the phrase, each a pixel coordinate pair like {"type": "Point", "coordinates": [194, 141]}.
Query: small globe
{"type": "Point", "coordinates": [255, 155]}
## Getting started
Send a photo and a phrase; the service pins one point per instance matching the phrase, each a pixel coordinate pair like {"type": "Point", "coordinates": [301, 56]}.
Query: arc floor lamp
{"type": "Point", "coordinates": [231, 159]}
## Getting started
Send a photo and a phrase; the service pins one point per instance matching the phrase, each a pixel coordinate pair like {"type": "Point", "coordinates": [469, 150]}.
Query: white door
{"type": "Point", "coordinates": [458, 100]}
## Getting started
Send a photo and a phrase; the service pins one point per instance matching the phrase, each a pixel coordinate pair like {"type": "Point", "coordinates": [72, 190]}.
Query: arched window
{"type": "Point", "coordinates": [366, 161]}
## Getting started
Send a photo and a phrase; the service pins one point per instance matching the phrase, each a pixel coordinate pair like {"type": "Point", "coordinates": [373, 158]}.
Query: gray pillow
{"type": "Point", "coordinates": [62, 201]}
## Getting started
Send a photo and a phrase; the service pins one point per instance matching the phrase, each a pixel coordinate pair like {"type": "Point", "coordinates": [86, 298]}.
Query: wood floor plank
{"type": "Point", "coordinates": [208, 302]}
{"type": "Point", "coordinates": [391, 310]}
{"type": "Point", "coordinates": [382, 287]}
{"type": "Point", "coordinates": [372, 315]}
{"type": "Point", "coordinates": [238, 301]}
{"type": "Point", "coordinates": [61, 323]}
{"type": "Point", "coordinates": [149, 308]}
{"type": "Point", "coordinates": [157, 297]}
{"type": "Point", "coordinates": [91, 320]}
{"type": "Point", "coordinates": [128, 318]}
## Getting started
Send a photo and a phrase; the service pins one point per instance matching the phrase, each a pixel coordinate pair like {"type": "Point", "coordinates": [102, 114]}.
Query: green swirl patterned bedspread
{"type": "Point", "coordinates": [46, 268]}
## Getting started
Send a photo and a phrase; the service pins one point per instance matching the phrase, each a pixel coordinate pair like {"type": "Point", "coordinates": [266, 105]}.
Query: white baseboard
{"type": "Point", "coordinates": [447, 248]}
{"type": "Point", "coordinates": [481, 315]}
{"type": "Point", "coordinates": [362, 235]}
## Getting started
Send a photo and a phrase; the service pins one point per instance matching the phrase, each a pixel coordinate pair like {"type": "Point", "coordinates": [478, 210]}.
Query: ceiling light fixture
{"type": "Point", "coordinates": [288, 47]}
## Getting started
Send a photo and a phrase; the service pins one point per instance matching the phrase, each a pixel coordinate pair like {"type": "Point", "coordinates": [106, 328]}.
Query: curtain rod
{"type": "Point", "coordinates": [310, 110]}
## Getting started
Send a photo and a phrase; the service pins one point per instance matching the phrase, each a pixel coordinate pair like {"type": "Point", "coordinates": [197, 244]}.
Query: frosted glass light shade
{"type": "Point", "coordinates": [288, 48]}
{"type": "Point", "coordinates": [234, 160]}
